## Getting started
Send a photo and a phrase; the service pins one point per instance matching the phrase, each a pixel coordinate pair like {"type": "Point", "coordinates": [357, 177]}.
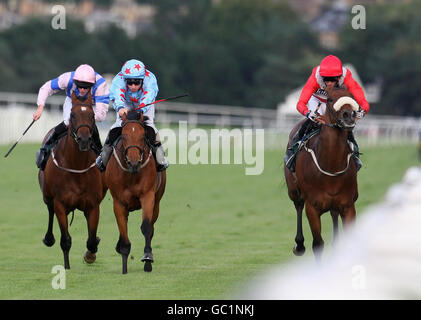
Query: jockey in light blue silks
{"type": "Point", "coordinates": [133, 88]}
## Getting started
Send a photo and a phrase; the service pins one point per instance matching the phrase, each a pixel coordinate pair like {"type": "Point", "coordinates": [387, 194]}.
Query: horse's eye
{"type": "Point", "coordinates": [329, 100]}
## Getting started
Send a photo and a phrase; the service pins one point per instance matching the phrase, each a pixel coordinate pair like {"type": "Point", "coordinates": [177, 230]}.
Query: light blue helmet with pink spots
{"type": "Point", "coordinates": [133, 69]}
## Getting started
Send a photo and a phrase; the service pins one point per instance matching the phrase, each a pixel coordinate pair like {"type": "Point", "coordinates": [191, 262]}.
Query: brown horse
{"type": "Point", "coordinates": [325, 177]}
{"type": "Point", "coordinates": [71, 180]}
{"type": "Point", "coordinates": [134, 184]}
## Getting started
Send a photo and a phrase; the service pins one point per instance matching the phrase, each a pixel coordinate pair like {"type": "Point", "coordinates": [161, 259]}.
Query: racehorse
{"type": "Point", "coordinates": [135, 184]}
{"type": "Point", "coordinates": [72, 181]}
{"type": "Point", "coordinates": [325, 178]}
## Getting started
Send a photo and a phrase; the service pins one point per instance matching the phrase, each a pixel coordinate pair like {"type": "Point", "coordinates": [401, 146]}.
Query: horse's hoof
{"type": "Point", "coordinates": [49, 241]}
{"type": "Point", "coordinates": [148, 266]}
{"type": "Point", "coordinates": [147, 257]}
{"type": "Point", "coordinates": [89, 257]}
{"type": "Point", "coordinates": [298, 251]}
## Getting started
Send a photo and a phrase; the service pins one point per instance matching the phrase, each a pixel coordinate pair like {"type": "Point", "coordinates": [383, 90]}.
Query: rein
{"type": "Point", "coordinates": [127, 170]}
{"type": "Point", "coordinates": [313, 155]}
{"type": "Point", "coordinates": [67, 169]}
{"type": "Point", "coordinates": [338, 124]}
{"type": "Point", "coordinates": [125, 149]}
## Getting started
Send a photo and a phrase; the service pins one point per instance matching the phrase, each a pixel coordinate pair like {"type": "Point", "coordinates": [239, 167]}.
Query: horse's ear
{"type": "Point", "coordinates": [74, 98]}
{"type": "Point", "coordinates": [124, 118]}
{"type": "Point", "coordinates": [328, 91]}
{"type": "Point", "coordinates": [141, 117]}
{"type": "Point", "coordinates": [89, 99]}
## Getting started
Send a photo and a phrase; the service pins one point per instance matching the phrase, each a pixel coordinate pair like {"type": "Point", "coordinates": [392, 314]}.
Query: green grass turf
{"type": "Point", "coordinates": [217, 228]}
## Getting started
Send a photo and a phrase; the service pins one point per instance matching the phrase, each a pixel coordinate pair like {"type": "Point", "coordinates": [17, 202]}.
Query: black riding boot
{"type": "Point", "coordinates": [157, 149]}
{"type": "Point", "coordinates": [290, 154]}
{"type": "Point", "coordinates": [96, 141]}
{"type": "Point", "coordinates": [159, 154]}
{"type": "Point", "coordinates": [356, 150]}
{"type": "Point", "coordinates": [102, 160]}
{"type": "Point", "coordinates": [44, 152]}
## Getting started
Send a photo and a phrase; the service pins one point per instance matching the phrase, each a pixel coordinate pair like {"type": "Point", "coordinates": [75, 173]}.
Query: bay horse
{"type": "Point", "coordinates": [325, 178]}
{"type": "Point", "coordinates": [72, 181]}
{"type": "Point", "coordinates": [135, 184]}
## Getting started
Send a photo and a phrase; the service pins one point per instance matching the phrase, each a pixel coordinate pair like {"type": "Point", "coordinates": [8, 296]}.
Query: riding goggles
{"type": "Point", "coordinates": [136, 82]}
{"type": "Point", "coordinates": [83, 85]}
{"type": "Point", "coordinates": [330, 79]}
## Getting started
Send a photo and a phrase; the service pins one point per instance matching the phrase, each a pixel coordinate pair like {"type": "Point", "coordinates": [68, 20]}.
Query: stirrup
{"type": "Point", "coordinates": [289, 162]}
{"type": "Point", "coordinates": [358, 162]}
{"type": "Point", "coordinates": [162, 167]}
{"type": "Point", "coordinates": [41, 158]}
{"type": "Point", "coordinates": [99, 164]}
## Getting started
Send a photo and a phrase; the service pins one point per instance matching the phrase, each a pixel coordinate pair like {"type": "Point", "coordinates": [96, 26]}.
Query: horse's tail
{"type": "Point", "coordinates": [73, 215]}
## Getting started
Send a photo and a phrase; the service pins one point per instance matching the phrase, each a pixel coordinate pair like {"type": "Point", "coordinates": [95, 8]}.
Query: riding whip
{"type": "Point", "coordinates": [169, 98]}
{"type": "Point", "coordinates": [19, 139]}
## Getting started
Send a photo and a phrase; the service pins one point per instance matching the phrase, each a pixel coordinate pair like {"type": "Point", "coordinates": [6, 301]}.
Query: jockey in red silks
{"type": "Point", "coordinates": [82, 81]}
{"type": "Point", "coordinates": [312, 101]}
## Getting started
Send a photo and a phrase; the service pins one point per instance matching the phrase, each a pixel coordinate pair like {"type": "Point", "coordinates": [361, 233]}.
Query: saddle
{"type": "Point", "coordinates": [44, 153]}
{"type": "Point", "coordinates": [296, 147]}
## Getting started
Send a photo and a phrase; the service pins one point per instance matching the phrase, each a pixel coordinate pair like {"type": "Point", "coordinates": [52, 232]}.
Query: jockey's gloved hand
{"type": "Point", "coordinates": [312, 115]}
{"type": "Point", "coordinates": [360, 114]}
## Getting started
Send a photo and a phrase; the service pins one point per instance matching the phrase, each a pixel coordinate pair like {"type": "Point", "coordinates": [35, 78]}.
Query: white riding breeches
{"type": "Point", "coordinates": [315, 104]}
{"type": "Point", "coordinates": [67, 109]}
{"type": "Point", "coordinates": [150, 122]}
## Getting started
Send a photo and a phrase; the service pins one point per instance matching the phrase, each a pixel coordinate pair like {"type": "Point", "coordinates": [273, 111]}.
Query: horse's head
{"type": "Point", "coordinates": [82, 121]}
{"type": "Point", "coordinates": [341, 108]}
{"type": "Point", "coordinates": [133, 140]}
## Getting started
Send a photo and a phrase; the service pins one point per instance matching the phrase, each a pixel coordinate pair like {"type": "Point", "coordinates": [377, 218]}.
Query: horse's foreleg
{"type": "Point", "coordinates": [313, 216]}
{"type": "Point", "coordinates": [123, 245]}
{"type": "Point", "coordinates": [299, 248]}
{"type": "Point", "coordinates": [92, 218]}
{"type": "Point", "coordinates": [49, 239]}
{"type": "Point", "coordinates": [66, 240]}
{"type": "Point", "coordinates": [148, 202]}
{"type": "Point", "coordinates": [348, 216]}
{"type": "Point", "coordinates": [335, 215]}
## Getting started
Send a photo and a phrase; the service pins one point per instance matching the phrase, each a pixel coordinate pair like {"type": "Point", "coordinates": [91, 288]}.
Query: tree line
{"type": "Point", "coordinates": [233, 52]}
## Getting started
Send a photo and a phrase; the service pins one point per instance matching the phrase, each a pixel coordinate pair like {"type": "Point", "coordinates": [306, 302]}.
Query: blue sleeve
{"type": "Point", "coordinates": [150, 88]}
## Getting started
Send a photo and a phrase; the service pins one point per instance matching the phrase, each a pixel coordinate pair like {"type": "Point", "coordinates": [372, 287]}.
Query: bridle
{"type": "Point", "coordinates": [127, 148]}
{"type": "Point", "coordinates": [73, 130]}
{"type": "Point", "coordinates": [338, 123]}
{"type": "Point", "coordinates": [73, 133]}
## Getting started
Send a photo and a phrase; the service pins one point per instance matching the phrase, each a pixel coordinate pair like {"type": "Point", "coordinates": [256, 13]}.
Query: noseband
{"type": "Point", "coordinates": [126, 149]}
{"type": "Point", "coordinates": [338, 123]}
{"type": "Point", "coordinates": [74, 130]}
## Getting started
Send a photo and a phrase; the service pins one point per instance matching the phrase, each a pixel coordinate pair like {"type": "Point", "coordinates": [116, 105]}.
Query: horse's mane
{"type": "Point", "coordinates": [339, 88]}
{"type": "Point", "coordinates": [136, 116]}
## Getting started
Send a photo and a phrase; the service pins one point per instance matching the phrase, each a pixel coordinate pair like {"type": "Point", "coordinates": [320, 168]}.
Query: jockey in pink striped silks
{"type": "Point", "coordinates": [82, 81]}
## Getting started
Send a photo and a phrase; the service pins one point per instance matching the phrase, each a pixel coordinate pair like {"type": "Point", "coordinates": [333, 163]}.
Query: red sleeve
{"type": "Point", "coordinates": [356, 90]}
{"type": "Point", "coordinates": [310, 87]}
